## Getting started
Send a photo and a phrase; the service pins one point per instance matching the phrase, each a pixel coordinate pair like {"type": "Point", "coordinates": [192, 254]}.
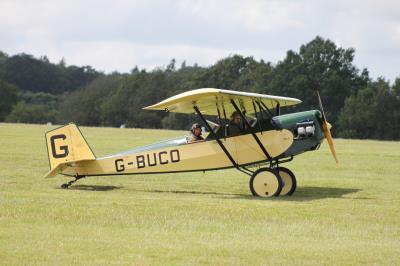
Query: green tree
{"type": "Point", "coordinates": [85, 106]}
{"type": "Point", "coordinates": [40, 75]}
{"type": "Point", "coordinates": [396, 87]}
{"type": "Point", "coordinates": [35, 108]}
{"type": "Point", "coordinates": [8, 97]}
{"type": "Point", "coordinates": [319, 65]}
{"type": "Point", "coordinates": [371, 113]}
{"type": "Point", "coordinates": [236, 72]}
{"type": "Point", "coordinates": [3, 60]}
{"type": "Point", "coordinates": [31, 113]}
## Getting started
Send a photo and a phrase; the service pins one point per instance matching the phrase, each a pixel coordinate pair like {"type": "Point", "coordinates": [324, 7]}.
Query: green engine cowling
{"type": "Point", "coordinates": [306, 128]}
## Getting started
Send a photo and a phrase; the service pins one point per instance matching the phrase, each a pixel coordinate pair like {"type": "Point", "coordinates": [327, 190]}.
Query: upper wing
{"type": "Point", "coordinates": [209, 100]}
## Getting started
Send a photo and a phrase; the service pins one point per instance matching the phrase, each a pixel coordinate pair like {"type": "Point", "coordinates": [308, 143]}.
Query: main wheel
{"type": "Point", "coordinates": [289, 181]}
{"type": "Point", "coordinates": [265, 182]}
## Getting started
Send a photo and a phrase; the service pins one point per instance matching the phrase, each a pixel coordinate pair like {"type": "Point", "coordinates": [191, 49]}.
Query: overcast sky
{"type": "Point", "coordinates": [117, 35]}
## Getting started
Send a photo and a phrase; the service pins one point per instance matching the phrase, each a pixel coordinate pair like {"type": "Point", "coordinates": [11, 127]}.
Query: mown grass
{"type": "Point", "coordinates": [346, 214]}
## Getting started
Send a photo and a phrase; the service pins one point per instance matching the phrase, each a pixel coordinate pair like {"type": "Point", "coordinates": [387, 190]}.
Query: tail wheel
{"type": "Point", "coordinates": [289, 181]}
{"type": "Point", "coordinates": [266, 183]}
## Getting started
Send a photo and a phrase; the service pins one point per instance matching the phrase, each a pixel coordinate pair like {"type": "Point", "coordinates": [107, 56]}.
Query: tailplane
{"type": "Point", "coordinates": [66, 145]}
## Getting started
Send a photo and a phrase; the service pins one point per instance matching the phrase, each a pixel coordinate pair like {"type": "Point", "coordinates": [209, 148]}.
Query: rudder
{"type": "Point", "coordinates": [66, 144]}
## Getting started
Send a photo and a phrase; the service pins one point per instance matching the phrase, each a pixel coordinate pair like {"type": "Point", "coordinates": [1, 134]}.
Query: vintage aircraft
{"type": "Point", "coordinates": [268, 139]}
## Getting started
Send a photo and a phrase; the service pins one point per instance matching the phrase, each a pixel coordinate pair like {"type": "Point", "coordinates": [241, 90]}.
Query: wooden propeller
{"type": "Point", "coordinates": [326, 127]}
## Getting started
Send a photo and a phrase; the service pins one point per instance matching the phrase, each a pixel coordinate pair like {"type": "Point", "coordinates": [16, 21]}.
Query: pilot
{"type": "Point", "coordinates": [195, 134]}
{"type": "Point", "coordinates": [235, 125]}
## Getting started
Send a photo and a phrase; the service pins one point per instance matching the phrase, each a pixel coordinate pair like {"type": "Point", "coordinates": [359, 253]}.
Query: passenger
{"type": "Point", "coordinates": [195, 134]}
{"type": "Point", "coordinates": [235, 125]}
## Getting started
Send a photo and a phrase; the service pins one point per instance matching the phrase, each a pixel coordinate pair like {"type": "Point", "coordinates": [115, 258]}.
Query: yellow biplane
{"type": "Point", "coordinates": [268, 140]}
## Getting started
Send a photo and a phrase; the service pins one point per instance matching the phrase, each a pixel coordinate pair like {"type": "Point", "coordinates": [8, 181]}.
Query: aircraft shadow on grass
{"type": "Point", "coordinates": [94, 187]}
{"type": "Point", "coordinates": [316, 193]}
{"type": "Point", "coordinates": [301, 194]}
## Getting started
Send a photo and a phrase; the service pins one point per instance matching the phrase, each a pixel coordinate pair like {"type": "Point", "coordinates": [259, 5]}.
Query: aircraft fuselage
{"type": "Point", "coordinates": [290, 135]}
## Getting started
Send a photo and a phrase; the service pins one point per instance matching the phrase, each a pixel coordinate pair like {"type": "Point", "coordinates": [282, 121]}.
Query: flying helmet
{"type": "Point", "coordinates": [195, 125]}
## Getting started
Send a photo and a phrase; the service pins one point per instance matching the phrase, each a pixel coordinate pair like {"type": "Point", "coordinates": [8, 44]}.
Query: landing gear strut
{"type": "Point", "coordinates": [67, 185]}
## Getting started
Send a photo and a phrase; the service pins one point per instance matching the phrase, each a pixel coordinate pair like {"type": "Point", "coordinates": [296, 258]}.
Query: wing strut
{"type": "Point", "coordinates": [266, 108]}
{"type": "Point", "coordinates": [251, 131]}
{"type": "Point", "coordinates": [220, 143]}
{"type": "Point", "coordinates": [278, 109]}
{"type": "Point", "coordinates": [258, 119]}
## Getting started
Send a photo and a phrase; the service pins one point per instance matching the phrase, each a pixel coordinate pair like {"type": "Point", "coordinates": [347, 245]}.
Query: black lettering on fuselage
{"type": "Point", "coordinates": [163, 158]}
{"type": "Point", "coordinates": [162, 161]}
{"type": "Point", "coordinates": [174, 154]}
{"type": "Point", "coordinates": [119, 165]}
{"type": "Point", "coordinates": [140, 161]}
{"type": "Point", "coordinates": [63, 148]}
{"type": "Point", "coordinates": [149, 163]}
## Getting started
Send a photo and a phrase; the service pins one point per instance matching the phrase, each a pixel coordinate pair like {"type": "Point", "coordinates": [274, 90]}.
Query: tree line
{"type": "Point", "coordinates": [34, 90]}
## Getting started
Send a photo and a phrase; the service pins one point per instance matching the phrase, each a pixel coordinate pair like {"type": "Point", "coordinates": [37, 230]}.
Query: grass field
{"type": "Point", "coordinates": [346, 214]}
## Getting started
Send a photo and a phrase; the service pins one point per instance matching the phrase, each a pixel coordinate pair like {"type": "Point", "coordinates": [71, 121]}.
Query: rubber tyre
{"type": "Point", "coordinates": [289, 181]}
{"type": "Point", "coordinates": [265, 183]}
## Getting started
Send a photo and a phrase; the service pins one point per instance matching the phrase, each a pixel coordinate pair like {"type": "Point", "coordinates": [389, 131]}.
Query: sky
{"type": "Point", "coordinates": [120, 34]}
